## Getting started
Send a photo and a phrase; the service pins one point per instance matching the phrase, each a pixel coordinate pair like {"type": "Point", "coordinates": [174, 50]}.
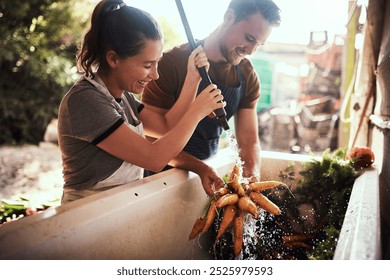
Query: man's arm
{"type": "Point", "coordinates": [246, 129]}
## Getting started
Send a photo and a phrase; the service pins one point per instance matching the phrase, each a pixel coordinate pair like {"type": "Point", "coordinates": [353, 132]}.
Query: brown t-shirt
{"type": "Point", "coordinates": [172, 69]}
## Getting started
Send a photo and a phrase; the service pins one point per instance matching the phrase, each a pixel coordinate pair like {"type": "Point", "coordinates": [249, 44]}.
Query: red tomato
{"type": "Point", "coordinates": [361, 156]}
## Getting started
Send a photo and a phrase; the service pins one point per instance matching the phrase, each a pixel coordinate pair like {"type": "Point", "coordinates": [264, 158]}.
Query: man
{"type": "Point", "coordinates": [246, 25]}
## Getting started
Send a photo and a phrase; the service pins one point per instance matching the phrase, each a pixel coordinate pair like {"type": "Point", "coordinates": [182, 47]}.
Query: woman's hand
{"type": "Point", "coordinates": [207, 102]}
{"type": "Point", "coordinates": [197, 59]}
{"type": "Point", "coordinates": [210, 179]}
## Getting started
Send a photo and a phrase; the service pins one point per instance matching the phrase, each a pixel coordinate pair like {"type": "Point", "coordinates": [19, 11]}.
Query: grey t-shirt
{"type": "Point", "coordinates": [87, 116]}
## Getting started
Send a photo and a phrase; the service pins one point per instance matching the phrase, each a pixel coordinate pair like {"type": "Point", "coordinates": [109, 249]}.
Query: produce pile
{"type": "Point", "coordinates": [302, 221]}
{"type": "Point", "coordinates": [12, 210]}
{"type": "Point", "coordinates": [231, 202]}
{"type": "Point", "coordinates": [313, 217]}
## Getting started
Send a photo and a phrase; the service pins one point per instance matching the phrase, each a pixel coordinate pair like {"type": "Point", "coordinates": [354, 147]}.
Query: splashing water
{"type": "Point", "coordinates": [255, 231]}
{"type": "Point", "coordinates": [250, 238]}
{"type": "Point", "coordinates": [234, 146]}
{"type": "Point", "coordinates": [251, 235]}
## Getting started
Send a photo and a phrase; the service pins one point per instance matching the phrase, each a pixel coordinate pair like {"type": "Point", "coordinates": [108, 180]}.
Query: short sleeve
{"type": "Point", "coordinates": [172, 70]}
{"type": "Point", "coordinates": [91, 114]}
{"type": "Point", "coordinates": [252, 85]}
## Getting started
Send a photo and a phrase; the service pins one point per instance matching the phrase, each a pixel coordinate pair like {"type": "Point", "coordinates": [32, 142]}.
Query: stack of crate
{"type": "Point", "coordinates": [317, 123]}
{"type": "Point", "coordinates": [283, 128]}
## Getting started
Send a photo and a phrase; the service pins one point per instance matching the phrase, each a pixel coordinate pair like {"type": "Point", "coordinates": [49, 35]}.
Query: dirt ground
{"type": "Point", "coordinates": [31, 172]}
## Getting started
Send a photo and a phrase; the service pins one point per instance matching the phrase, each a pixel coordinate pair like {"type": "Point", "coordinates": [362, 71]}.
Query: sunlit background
{"type": "Point", "coordinates": [299, 17]}
{"type": "Point", "coordinates": [282, 69]}
{"type": "Point", "coordinates": [282, 63]}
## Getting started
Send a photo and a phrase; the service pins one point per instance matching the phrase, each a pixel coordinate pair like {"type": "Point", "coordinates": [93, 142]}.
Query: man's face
{"type": "Point", "coordinates": [243, 37]}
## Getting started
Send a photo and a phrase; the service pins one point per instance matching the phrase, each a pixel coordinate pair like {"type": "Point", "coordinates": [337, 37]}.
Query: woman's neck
{"type": "Point", "coordinates": [113, 90]}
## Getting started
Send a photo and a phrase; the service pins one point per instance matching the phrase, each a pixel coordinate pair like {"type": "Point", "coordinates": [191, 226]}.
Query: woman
{"type": "Point", "coordinates": [101, 124]}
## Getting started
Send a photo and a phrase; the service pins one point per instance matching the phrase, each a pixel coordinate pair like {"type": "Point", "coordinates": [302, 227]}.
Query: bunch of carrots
{"type": "Point", "coordinates": [236, 199]}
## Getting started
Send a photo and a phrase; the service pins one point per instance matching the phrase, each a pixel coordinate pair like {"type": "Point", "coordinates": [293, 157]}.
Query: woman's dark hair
{"type": "Point", "coordinates": [117, 27]}
{"type": "Point", "coordinates": [243, 9]}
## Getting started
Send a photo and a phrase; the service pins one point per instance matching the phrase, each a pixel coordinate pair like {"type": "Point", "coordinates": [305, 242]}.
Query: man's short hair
{"type": "Point", "coordinates": [243, 9]}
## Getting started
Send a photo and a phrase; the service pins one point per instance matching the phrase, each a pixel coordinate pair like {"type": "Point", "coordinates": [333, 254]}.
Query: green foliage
{"type": "Point", "coordinates": [38, 39]}
{"type": "Point", "coordinates": [171, 36]}
{"type": "Point", "coordinates": [328, 183]}
{"type": "Point", "coordinates": [12, 210]}
{"type": "Point", "coordinates": [325, 185]}
{"type": "Point", "coordinates": [325, 248]}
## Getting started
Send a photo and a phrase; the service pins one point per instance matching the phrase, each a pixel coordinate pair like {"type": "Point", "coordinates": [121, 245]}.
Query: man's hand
{"type": "Point", "coordinates": [254, 179]}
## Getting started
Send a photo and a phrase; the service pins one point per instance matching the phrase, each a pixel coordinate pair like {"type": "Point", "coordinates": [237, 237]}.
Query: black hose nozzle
{"type": "Point", "coordinates": [219, 113]}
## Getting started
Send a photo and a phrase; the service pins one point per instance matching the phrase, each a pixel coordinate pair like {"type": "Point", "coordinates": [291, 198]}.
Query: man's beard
{"type": "Point", "coordinates": [231, 57]}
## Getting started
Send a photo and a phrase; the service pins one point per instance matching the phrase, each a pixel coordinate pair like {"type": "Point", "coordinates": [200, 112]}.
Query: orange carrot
{"type": "Point", "coordinates": [221, 192]}
{"type": "Point", "coordinates": [210, 216]}
{"type": "Point", "coordinates": [235, 173]}
{"type": "Point", "coordinates": [264, 185]}
{"type": "Point", "coordinates": [265, 203]}
{"type": "Point", "coordinates": [237, 187]}
{"type": "Point", "coordinates": [247, 205]}
{"type": "Point", "coordinates": [227, 199]}
{"type": "Point", "coordinates": [238, 233]}
{"type": "Point", "coordinates": [228, 216]}
{"type": "Point", "coordinates": [296, 244]}
{"type": "Point", "coordinates": [297, 237]}
{"type": "Point", "coordinates": [197, 228]}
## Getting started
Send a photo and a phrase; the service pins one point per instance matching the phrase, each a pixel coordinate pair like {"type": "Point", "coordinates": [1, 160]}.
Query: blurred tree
{"type": "Point", "coordinates": [38, 42]}
{"type": "Point", "coordinates": [171, 36]}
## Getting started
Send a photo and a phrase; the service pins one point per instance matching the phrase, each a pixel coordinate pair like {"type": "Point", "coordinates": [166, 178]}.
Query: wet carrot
{"type": "Point", "coordinates": [235, 173]}
{"type": "Point", "coordinates": [236, 186]}
{"type": "Point", "coordinates": [228, 216]}
{"type": "Point", "coordinates": [265, 203]}
{"type": "Point", "coordinates": [247, 205]}
{"type": "Point", "coordinates": [238, 233]}
{"type": "Point", "coordinates": [227, 199]}
{"type": "Point", "coordinates": [297, 237]}
{"type": "Point", "coordinates": [210, 216]}
{"type": "Point", "coordinates": [197, 228]}
{"type": "Point", "coordinates": [221, 192]}
{"type": "Point", "coordinates": [296, 244]}
{"type": "Point", "coordinates": [265, 185]}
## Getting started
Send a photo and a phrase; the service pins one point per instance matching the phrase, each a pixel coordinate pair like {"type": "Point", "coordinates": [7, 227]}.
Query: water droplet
{"type": "Point", "coordinates": [234, 146]}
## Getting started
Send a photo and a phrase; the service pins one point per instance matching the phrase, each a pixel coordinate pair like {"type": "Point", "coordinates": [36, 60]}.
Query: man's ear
{"type": "Point", "coordinates": [112, 59]}
{"type": "Point", "coordinates": [229, 16]}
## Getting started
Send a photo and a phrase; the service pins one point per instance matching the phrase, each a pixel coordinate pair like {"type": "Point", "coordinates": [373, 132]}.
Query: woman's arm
{"type": "Point", "coordinates": [207, 174]}
{"type": "Point", "coordinates": [197, 59]}
{"type": "Point", "coordinates": [133, 148]}
{"type": "Point", "coordinates": [159, 120]}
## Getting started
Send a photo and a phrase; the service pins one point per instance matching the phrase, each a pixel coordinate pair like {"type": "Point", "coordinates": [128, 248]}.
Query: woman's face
{"type": "Point", "coordinates": [135, 72]}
